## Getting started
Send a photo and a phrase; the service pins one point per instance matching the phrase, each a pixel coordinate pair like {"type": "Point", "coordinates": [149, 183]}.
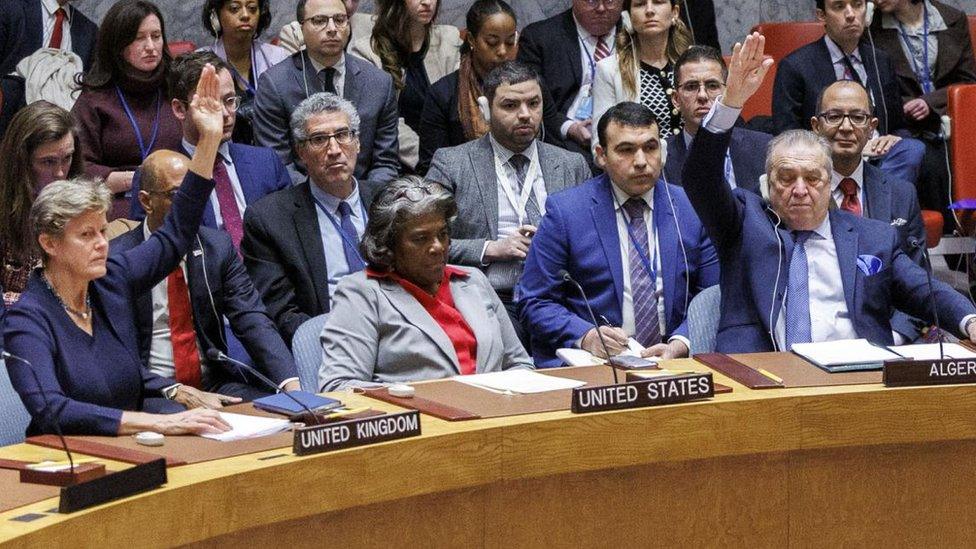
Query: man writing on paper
{"type": "Point", "coordinates": [793, 270]}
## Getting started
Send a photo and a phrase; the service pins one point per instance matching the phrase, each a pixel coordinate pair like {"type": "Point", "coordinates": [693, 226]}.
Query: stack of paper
{"type": "Point", "coordinates": [579, 357]}
{"type": "Point", "coordinates": [518, 382]}
{"type": "Point", "coordinates": [244, 427]}
{"type": "Point", "coordinates": [844, 354]}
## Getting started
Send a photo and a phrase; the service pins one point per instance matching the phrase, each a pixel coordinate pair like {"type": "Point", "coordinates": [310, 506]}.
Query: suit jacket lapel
{"type": "Point", "coordinates": [877, 193]}
{"type": "Point", "coordinates": [572, 45]}
{"type": "Point", "coordinates": [605, 221]}
{"type": "Point", "coordinates": [667, 248]}
{"type": "Point", "coordinates": [34, 23]}
{"type": "Point", "coordinates": [845, 240]}
{"type": "Point", "coordinates": [350, 90]}
{"type": "Point", "coordinates": [482, 160]}
{"type": "Point", "coordinates": [245, 174]}
{"type": "Point", "coordinates": [416, 315]}
{"type": "Point", "coordinates": [823, 68]}
{"type": "Point", "coordinates": [467, 300]}
{"type": "Point", "coordinates": [307, 232]}
{"type": "Point", "coordinates": [552, 172]}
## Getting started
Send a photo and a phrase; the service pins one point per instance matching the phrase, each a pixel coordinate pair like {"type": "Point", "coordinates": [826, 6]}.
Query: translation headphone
{"type": "Point", "coordinates": [484, 108]}
{"type": "Point", "coordinates": [764, 192]}
{"type": "Point", "coordinates": [215, 22]}
{"type": "Point", "coordinates": [264, 19]}
{"type": "Point", "coordinates": [625, 22]}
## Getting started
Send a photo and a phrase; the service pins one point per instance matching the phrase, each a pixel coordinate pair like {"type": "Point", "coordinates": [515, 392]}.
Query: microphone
{"type": "Point", "coordinates": [917, 244]}
{"type": "Point", "coordinates": [56, 421]}
{"type": "Point", "coordinates": [566, 277]}
{"type": "Point", "coordinates": [216, 355]}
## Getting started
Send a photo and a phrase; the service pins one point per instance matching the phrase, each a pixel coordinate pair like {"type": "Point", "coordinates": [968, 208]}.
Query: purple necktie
{"type": "Point", "coordinates": [643, 287]}
{"type": "Point", "coordinates": [227, 203]}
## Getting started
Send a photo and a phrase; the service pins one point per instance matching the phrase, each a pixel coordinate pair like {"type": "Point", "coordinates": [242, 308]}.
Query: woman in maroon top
{"type": "Point", "coordinates": [410, 316]}
{"type": "Point", "coordinates": [122, 111]}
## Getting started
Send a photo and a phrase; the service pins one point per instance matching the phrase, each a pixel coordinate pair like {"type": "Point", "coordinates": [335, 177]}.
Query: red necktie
{"type": "Point", "coordinates": [227, 203]}
{"type": "Point", "coordinates": [186, 356]}
{"type": "Point", "coordinates": [601, 49]}
{"type": "Point", "coordinates": [59, 16]}
{"type": "Point", "coordinates": [850, 203]}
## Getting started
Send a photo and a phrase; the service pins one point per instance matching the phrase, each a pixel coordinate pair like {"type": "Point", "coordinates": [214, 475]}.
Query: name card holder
{"type": "Point", "coordinates": [946, 371]}
{"type": "Point", "coordinates": [640, 394]}
{"type": "Point", "coordinates": [316, 439]}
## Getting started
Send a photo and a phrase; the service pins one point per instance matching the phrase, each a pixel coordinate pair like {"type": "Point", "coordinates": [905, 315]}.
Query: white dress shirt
{"type": "Point", "coordinates": [335, 256]}
{"type": "Point", "coordinates": [588, 62]}
{"type": "Point", "coordinates": [48, 7]}
{"type": "Point", "coordinates": [858, 176]}
{"type": "Point", "coordinates": [224, 153]}
{"type": "Point", "coordinates": [339, 78]}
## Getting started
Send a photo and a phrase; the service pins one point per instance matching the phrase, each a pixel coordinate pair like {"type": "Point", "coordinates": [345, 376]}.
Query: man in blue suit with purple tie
{"type": "Point", "coordinates": [793, 270]}
{"type": "Point", "coordinates": [631, 240]}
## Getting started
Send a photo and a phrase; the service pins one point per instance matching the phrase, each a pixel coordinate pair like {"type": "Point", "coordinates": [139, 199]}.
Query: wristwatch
{"type": "Point", "coordinates": [170, 392]}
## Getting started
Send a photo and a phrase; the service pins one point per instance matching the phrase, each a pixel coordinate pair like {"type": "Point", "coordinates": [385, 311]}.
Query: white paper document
{"type": "Point", "coordinates": [930, 351]}
{"type": "Point", "coordinates": [579, 357]}
{"type": "Point", "coordinates": [244, 427]}
{"type": "Point", "coordinates": [843, 351]}
{"type": "Point", "coordinates": [518, 382]}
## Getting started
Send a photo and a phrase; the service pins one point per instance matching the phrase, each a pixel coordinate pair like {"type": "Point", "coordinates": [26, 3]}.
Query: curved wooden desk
{"type": "Point", "coordinates": [859, 465]}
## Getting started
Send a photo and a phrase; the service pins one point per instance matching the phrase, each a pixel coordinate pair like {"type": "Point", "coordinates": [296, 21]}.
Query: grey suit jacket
{"type": "Point", "coordinates": [282, 87]}
{"type": "Point", "coordinates": [469, 171]}
{"type": "Point", "coordinates": [379, 333]}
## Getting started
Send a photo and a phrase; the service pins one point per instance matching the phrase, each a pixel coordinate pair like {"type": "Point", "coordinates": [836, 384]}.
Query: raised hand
{"type": "Point", "coordinates": [747, 70]}
{"type": "Point", "coordinates": [206, 108]}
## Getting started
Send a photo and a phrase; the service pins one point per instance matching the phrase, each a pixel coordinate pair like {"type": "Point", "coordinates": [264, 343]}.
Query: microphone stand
{"type": "Point", "coordinates": [565, 276]}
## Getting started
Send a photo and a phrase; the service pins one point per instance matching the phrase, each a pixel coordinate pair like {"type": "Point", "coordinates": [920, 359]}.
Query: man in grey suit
{"type": "Point", "coordinates": [501, 181]}
{"type": "Point", "coordinates": [324, 66]}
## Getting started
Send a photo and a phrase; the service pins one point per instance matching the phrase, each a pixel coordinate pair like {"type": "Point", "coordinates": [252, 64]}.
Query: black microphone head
{"type": "Point", "coordinates": [564, 275]}
{"type": "Point", "coordinates": [915, 243]}
{"type": "Point", "coordinates": [215, 355]}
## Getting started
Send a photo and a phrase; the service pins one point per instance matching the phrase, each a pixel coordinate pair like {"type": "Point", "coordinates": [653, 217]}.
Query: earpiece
{"type": "Point", "coordinates": [625, 23]}
{"type": "Point", "coordinates": [869, 14]}
{"type": "Point", "coordinates": [764, 187]}
{"type": "Point", "coordinates": [664, 156]}
{"type": "Point", "coordinates": [215, 22]}
{"type": "Point", "coordinates": [484, 108]}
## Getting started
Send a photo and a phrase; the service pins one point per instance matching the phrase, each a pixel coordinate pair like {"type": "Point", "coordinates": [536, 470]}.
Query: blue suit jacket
{"type": "Point", "coordinates": [803, 74]}
{"type": "Point", "coordinates": [748, 157]}
{"type": "Point", "coordinates": [214, 269]}
{"type": "Point", "coordinates": [22, 30]}
{"type": "Point", "coordinates": [259, 170]}
{"type": "Point", "coordinates": [87, 388]}
{"type": "Point", "coordinates": [754, 252]}
{"type": "Point", "coordinates": [579, 234]}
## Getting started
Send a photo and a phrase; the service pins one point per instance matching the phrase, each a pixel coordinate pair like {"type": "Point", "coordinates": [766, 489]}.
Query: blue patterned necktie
{"type": "Point", "coordinates": [643, 287]}
{"type": "Point", "coordinates": [349, 231]}
{"type": "Point", "coordinates": [798, 293]}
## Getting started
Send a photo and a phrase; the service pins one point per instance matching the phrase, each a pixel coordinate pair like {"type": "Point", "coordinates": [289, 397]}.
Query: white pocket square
{"type": "Point", "coordinates": [898, 222]}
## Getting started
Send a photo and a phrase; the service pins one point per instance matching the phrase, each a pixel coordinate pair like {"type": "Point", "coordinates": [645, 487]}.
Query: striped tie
{"type": "Point", "coordinates": [602, 50]}
{"type": "Point", "coordinates": [643, 287]}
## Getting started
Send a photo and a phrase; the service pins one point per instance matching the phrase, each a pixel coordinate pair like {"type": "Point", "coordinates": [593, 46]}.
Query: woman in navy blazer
{"type": "Point", "coordinates": [74, 323]}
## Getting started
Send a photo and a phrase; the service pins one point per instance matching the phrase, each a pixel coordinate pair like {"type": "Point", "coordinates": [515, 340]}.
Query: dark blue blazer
{"type": "Point", "coordinates": [22, 30]}
{"type": "Point", "coordinates": [87, 388]}
{"type": "Point", "coordinates": [579, 234]}
{"type": "Point", "coordinates": [214, 269]}
{"type": "Point", "coordinates": [748, 157]}
{"type": "Point", "coordinates": [259, 170]}
{"type": "Point", "coordinates": [753, 249]}
{"type": "Point", "coordinates": [803, 74]}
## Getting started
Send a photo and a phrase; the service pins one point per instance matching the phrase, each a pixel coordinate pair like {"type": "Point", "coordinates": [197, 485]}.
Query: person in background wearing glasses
{"type": "Point", "coordinates": [410, 315]}
{"type": "Point", "coordinates": [290, 38]}
{"type": "Point", "coordinates": [299, 242]}
{"type": "Point", "coordinates": [323, 66]}
{"type": "Point", "coordinates": [244, 174]}
{"type": "Point", "coordinates": [846, 122]}
{"type": "Point", "coordinates": [699, 76]}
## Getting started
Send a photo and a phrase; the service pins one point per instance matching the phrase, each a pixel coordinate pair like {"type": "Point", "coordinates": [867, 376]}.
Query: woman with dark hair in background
{"type": "Point", "coordinates": [451, 115]}
{"type": "Point", "coordinates": [122, 112]}
{"type": "Point", "coordinates": [236, 26]}
{"type": "Point", "coordinates": [408, 45]}
{"type": "Point", "coordinates": [40, 147]}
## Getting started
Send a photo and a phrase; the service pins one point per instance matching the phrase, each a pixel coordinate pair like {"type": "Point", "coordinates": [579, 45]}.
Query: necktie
{"type": "Point", "coordinates": [602, 50]}
{"type": "Point", "coordinates": [851, 202]}
{"type": "Point", "coordinates": [643, 287]}
{"type": "Point", "coordinates": [186, 356]}
{"type": "Point", "coordinates": [521, 164]}
{"type": "Point", "coordinates": [328, 80]}
{"type": "Point", "coordinates": [58, 33]}
{"type": "Point", "coordinates": [227, 203]}
{"type": "Point", "coordinates": [798, 293]}
{"type": "Point", "coordinates": [849, 72]}
{"type": "Point", "coordinates": [349, 231]}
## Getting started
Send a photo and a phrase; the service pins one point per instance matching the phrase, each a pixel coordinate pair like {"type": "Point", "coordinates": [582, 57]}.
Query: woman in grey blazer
{"type": "Point", "coordinates": [410, 316]}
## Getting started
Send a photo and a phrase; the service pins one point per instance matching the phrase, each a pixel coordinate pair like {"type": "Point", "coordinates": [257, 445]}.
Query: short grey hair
{"type": "Point", "coordinates": [792, 139]}
{"type": "Point", "coordinates": [401, 200]}
{"type": "Point", "coordinates": [317, 104]}
{"type": "Point", "coordinates": [62, 201]}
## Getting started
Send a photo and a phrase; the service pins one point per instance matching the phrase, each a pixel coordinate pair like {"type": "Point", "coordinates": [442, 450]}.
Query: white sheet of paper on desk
{"type": "Point", "coordinates": [843, 351]}
{"type": "Point", "coordinates": [579, 357]}
{"type": "Point", "coordinates": [930, 351]}
{"type": "Point", "coordinates": [519, 382]}
{"type": "Point", "coordinates": [244, 427]}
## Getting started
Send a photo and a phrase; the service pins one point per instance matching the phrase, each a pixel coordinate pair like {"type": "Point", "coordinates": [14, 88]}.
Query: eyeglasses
{"type": "Point", "coordinates": [321, 140]}
{"type": "Point", "coordinates": [417, 193]}
{"type": "Point", "coordinates": [608, 4]}
{"type": "Point", "coordinates": [712, 87]}
{"type": "Point", "coordinates": [320, 22]}
{"type": "Point", "coordinates": [836, 118]}
{"type": "Point", "coordinates": [230, 103]}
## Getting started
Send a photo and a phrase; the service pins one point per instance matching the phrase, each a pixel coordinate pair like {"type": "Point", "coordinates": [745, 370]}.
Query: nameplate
{"type": "Point", "coordinates": [906, 373]}
{"type": "Point", "coordinates": [315, 439]}
{"type": "Point", "coordinates": [638, 394]}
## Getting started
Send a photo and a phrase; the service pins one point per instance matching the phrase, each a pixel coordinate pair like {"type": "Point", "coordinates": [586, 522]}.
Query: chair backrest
{"type": "Point", "coordinates": [761, 102]}
{"type": "Point", "coordinates": [972, 28]}
{"type": "Point", "coordinates": [180, 47]}
{"type": "Point", "coordinates": [703, 313]}
{"type": "Point", "coordinates": [15, 416]}
{"type": "Point", "coordinates": [783, 38]}
{"type": "Point", "coordinates": [963, 134]}
{"type": "Point", "coordinates": [307, 348]}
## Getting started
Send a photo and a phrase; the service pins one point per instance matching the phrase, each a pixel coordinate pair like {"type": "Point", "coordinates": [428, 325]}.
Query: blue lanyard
{"type": "Point", "coordinates": [251, 90]}
{"type": "Point", "coordinates": [645, 261]}
{"type": "Point", "coordinates": [143, 149]}
{"type": "Point", "coordinates": [338, 228]}
{"type": "Point", "coordinates": [924, 75]}
{"type": "Point", "coordinates": [589, 58]}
